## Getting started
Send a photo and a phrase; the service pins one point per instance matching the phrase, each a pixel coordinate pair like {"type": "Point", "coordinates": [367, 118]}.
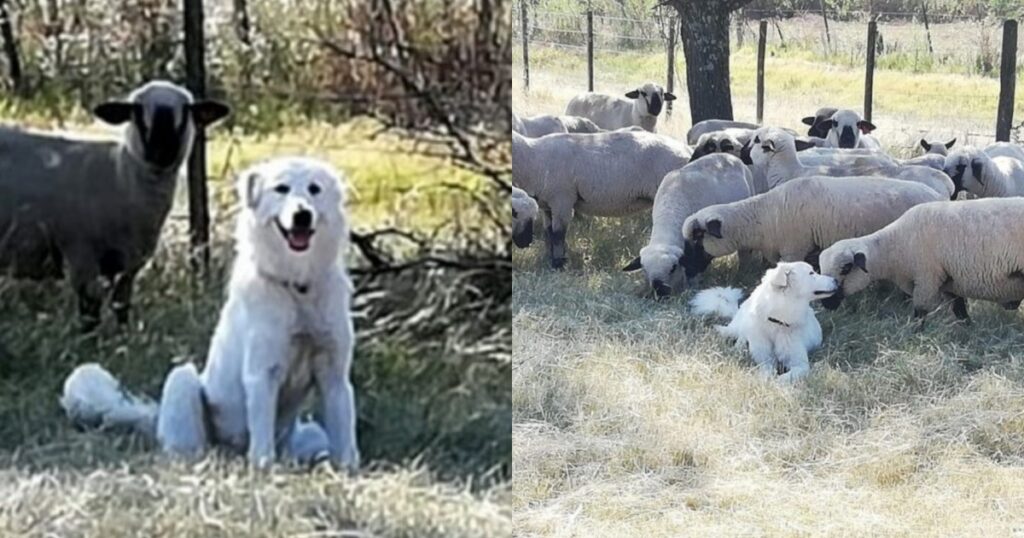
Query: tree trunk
{"type": "Point", "coordinates": [705, 35]}
{"type": "Point", "coordinates": [10, 46]}
{"type": "Point", "coordinates": [242, 27]}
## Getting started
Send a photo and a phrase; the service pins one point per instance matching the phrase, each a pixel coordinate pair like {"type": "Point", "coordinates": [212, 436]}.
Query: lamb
{"type": "Point", "coordinates": [934, 155]}
{"type": "Point", "coordinates": [702, 128]}
{"type": "Point", "coordinates": [641, 107]}
{"type": "Point", "coordinates": [524, 211]}
{"type": "Point", "coordinates": [977, 172]}
{"type": "Point", "coordinates": [803, 216]}
{"type": "Point", "coordinates": [94, 206]}
{"type": "Point", "coordinates": [847, 130]}
{"type": "Point", "coordinates": [773, 152]}
{"type": "Point", "coordinates": [715, 179]}
{"type": "Point", "coordinates": [972, 249]}
{"type": "Point", "coordinates": [815, 122]}
{"type": "Point", "coordinates": [602, 174]}
{"type": "Point", "coordinates": [545, 124]}
{"type": "Point", "coordinates": [729, 141]}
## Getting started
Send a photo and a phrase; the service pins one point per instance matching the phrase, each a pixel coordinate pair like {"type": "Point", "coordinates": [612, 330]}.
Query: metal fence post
{"type": "Point", "coordinates": [590, 50]}
{"type": "Point", "coordinates": [671, 62]}
{"type": "Point", "coordinates": [1007, 81]}
{"type": "Point", "coordinates": [762, 37]}
{"type": "Point", "coordinates": [869, 73]}
{"type": "Point", "coordinates": [195, 74]}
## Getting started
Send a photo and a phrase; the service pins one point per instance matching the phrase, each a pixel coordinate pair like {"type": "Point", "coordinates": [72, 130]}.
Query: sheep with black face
{"type": "Point", "coordinates": [640, 107]}
{"type": "Point", "coordinates": [96, 207]}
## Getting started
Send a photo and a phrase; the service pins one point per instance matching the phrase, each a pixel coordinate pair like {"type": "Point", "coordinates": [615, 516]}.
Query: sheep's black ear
{"type": "Point", "coordinates": [745, 153]}
{"type": "Point", "coordinates": [860, 260]}
{"type": "Point", "coordinates": [669, 96]}
{"type": "Point", "coordinates": [115, 112]}
{"type": "Point", "coordinates": [803, 144]}
{"type": "Point", "coordinates": [770, 144]}
{"type": "Point", "coordinates": [633, 265]}
{"type": "Point", "coordinates": [207, 112]}
{"type": "Point", "coordinates": [925, 145]}
{"type": "Point", "coordinates": [701, 151]}
{"type": "Point", "coordinates": [950, 143]}
{"type": "Point", "coordinates": [809, 120]}
{"type": "Point", "coordinates": [633, 94]}
{"type": "Point", "coordinates": [865, 126]}
{"type": "Point", "coordinates": [976, 169]}
{"type": "Point", "coordinates": [715, 228]}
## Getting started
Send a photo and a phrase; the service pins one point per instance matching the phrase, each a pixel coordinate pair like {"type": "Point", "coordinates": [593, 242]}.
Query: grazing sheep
{"type": "Point", "coordinates": [817, 129]}
{"type": "Point", "coordinates": [702, 128]}
{"type": "Point", "coordinates": [524, 210]}
{"type": "Point", "coordinates": [545, 124]}
{"type": "Point", "coordinates": [966, 250]}
{"type": "Point", "coordinates": [773, 154]}
{"type": "Point", "coordinates": [803, 216]}
{"type": "Point", "coordinates": [97, 206]}
{"type": "Point", "coordinates": [716, 179]}
{"type": "Point", "coordinates": [729, 141]}
{"type": "Point", "coordinates": [985, 176]}
{"type": "Point", "coordinates": [847, 130]}
{"type": "Point", "coordinates": [603, 174]}
{"type": "Point", "coordinates": [641, 107]}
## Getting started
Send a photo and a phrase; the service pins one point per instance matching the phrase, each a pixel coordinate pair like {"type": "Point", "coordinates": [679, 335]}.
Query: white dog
{"type": "Point", "coordinates": [776, 321]}
{"type": "Point", "coordinates": [284, 330]}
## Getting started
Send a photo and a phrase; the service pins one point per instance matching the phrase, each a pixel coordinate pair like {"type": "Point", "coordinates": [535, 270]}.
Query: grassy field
{"type": "Point", "coordinates": [433, 419]}
{"type": "Point", "coordinates": [633, 418]}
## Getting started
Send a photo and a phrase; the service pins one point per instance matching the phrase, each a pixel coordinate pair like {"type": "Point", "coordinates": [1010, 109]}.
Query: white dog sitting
{"type": "Point", "coordinates": [776, 321]}
{"type": "Point", "coordinates": [284, 330]}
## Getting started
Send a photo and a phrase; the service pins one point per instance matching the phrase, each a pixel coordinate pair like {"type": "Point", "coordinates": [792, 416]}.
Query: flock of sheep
{"type": "Point", "coordinates": [947, 225]}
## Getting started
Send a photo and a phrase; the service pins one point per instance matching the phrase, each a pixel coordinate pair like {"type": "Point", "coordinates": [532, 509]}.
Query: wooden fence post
{"type": "Point", "coordinates": [671, 62]}
{"type": "Point", "coordinates": [828, 34]}
{"type": "Point", "coordinates": [762, 37]}
{"type": "Point", "coordinates": [195, 75]}
{"type": "Point", "coordinates": [869, 74]}
{"type": "Point", "coordinates": [927, 28]}
{"type": "Point", "coordinates": [590, 50]}
{"type": "Point", "coordinates": [523, 18]}
{"type": "Point", "coordinates": [1007, 81]}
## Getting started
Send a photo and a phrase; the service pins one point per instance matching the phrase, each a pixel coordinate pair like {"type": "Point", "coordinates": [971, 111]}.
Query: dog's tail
{"type": "Point", "coordinates": [93, 398]}
{"type": "Point", "coordinates": [724, 302]}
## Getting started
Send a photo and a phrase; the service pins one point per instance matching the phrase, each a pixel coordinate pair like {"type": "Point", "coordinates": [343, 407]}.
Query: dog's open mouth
{"type": "Point", "coordinates": [298, 238]}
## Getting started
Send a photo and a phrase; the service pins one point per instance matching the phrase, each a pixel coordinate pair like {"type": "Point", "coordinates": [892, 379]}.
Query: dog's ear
{"type": "Point", "coordinates": [860, 260]}
{"type": "Point", "coordinates": [781, 278]}
{"type": "Point", "coordinates": [715, 228]}
{"type": "Point", "coordinates": [976, 169]}
{"type": "Point", "coordinates": [250, 184]}
{"type": "Point", "coordinates": [633, 265]}
{"type": "Point", "coordinates": [950, 143]}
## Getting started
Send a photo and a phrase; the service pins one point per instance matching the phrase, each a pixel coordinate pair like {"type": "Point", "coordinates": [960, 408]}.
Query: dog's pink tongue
{"type": "Point", "coordinates": [299, 240]}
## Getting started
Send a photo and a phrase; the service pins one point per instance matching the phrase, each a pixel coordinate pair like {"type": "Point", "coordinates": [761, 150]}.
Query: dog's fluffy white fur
{"type": "Point", "coordinates": [776, 322]}
{"type": "Point", "coordinates": [285, 329]}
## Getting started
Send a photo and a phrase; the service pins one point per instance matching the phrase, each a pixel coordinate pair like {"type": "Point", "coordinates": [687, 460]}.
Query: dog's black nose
{"type": "Point", "coordinates": [302, 219]}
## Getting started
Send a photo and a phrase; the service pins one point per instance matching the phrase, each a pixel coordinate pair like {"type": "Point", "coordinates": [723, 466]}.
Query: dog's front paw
{"type": "Point", "coordinates": [347, 459]}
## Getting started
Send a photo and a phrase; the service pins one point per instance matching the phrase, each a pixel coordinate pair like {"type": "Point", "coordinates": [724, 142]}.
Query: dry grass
{"type": "Point", "coordinates": [433, 420]}
{"type": "Point", "coordinates": [632, 418]}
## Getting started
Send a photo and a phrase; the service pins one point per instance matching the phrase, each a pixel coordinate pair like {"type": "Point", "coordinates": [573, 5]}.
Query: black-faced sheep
{"type": "Point", "coordinates": [97, 207]}
{"type": "Point", "coordinates": [847, 130]}
{"type": "Point", "coordinates": [640, 107]}
{"type": "Point", "coordinates": [702, 128]}
{"type": "Point", "coordinates": [715, 179]}
{"type": "Point", "coordinates": [604, 174]}
{"type": "Point", "coordinates": [815, 122]}
{"type": "Point", "coordinates": [800, 218]}
{"type": "Point", "coordinates": [965, 250]}
{"type": "Point", "coordinates": [986, 176]}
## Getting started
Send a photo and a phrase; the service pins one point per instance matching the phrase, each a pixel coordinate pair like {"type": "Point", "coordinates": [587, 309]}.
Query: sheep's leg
{"type": "Point", "coordinates": [960, 309]}
{"type": "Point", "coordinates": [84, 277]}
{"type": "Point", "coordinates": [121, 297]}
{"type": "Point", "coordinates": [558, 225]}
{"type": "Point", "coordinates": [926, 297]}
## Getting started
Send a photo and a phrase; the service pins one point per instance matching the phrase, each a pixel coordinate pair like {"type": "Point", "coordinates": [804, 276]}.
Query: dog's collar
{"type": "Point", "coordinates": [300, 287]}
{"type": "Point", "coordinates": [773, 320]}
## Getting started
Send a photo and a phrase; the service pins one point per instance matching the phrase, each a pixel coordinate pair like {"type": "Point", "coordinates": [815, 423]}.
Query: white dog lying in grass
{"type": "Point", "coordinates": [776, 321]}
{"type": "Point", "coordinates": [284, 330]}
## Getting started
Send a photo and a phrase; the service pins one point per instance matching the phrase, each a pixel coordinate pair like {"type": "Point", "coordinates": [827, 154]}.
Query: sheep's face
{"type": "Point", "coordinates": [965, 166]}
{"type": "Point", "coordinates": [649, 98]}
{"type": "Point", "coordinates": [662, 264]}
{"type": "Point", "coordinates": [845, 128]}
{"type": "Point", "coordinates": [799, 281]}
{"type": "Point", "coordinates": [524, 211]}
{"type": "Point", "coordinates": [162, 119]}
{"type": "Point", "coordinates": [816, 122]}
{"type": "Point", "coordinates": [769, 142]}
{"type": "Point", "coordinates": [293, 202]}
{"type": "Point", "coordinates": [938, 148]}
{"type": "Point", "coordinates": [849, 266]}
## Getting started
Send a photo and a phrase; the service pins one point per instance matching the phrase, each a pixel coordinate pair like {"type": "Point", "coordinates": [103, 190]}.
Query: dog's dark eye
{"type": "Point", "coordinates": [282, 189]}
{"type": "Point", "coordinates": [846, 269]}
{"type": "Point", "coordinates": [314, 189]}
